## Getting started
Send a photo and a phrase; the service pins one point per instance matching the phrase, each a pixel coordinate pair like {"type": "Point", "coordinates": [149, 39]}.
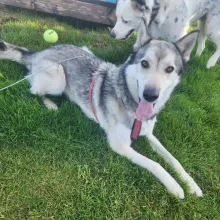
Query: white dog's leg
{"type": "Point", "coordinates": [137, 44]}
{"type": "Point", "coordinates": [119, 140]}
{"type": "Point", "coordinates": [142, 36]}
{"type": "Point", "coordinates": [158, 147]}
{"type": "Point", "coordinates": [202, 36]}
{"type": "Point", "coordinates": [163, 11]}
{"type": "Point", "coordinates": [212, 61]}
{"type": "Point", "coordinates": [213, 33]}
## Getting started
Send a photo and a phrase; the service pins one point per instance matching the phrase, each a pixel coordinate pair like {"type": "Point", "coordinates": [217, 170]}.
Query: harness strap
{"type": "Point", "coordinates": [90, 98]}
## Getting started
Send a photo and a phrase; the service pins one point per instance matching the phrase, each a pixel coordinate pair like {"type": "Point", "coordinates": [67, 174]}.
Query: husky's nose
{"type": "Point", "coordinates": [112, 34]}
{"type": "Point", "coordinates": [151, 94]}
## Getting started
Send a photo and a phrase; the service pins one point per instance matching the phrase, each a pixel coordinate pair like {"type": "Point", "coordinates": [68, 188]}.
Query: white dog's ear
{"type": "Point", "coordinates": [140, 4]}
{"type": "Point", "coordinates": [143, 36]}
{"type": "Point", "coordinates": [186, 44]}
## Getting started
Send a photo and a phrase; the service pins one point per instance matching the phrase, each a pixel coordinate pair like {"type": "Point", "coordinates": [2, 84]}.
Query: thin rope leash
{"type": "Point", "coordinates": [26, 77]}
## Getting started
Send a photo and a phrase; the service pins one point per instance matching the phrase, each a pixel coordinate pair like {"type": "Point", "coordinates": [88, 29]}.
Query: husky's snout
{"type": "Point", "coordinates": [150, 94]}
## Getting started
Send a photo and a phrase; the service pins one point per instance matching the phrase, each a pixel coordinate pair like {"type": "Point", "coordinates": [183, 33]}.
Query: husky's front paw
{"type": "Point", "coordinates": [173, 187]}
{"type": "Point", "coordinates": [194, 189]}
{"type": "Point", "coordinates": [176, 190]}
{"type": "Point", "coordinates": [169, 182]}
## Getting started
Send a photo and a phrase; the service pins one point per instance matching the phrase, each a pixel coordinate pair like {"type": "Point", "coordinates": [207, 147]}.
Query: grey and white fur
{"type": "Point", "coordinates": [149, 76]}
{"type": "Point", "coordinates": [169, 19]}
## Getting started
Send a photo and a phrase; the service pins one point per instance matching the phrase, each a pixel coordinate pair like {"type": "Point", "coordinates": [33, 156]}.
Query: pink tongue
{"type": "Point", "coordinates": [144, 110]}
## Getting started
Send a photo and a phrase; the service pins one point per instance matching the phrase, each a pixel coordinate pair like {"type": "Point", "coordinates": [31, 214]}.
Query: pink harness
{"type": "Point", "coordinates": [90, 99]}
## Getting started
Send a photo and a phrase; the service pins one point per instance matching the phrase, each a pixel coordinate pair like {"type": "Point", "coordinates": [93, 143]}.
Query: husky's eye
{"type": "Point", "coordinates": [169, 69]}
{"type": "Point", "coordinates": [144, 64]}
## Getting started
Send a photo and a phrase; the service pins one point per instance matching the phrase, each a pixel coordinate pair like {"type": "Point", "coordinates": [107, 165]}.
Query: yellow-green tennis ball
{"type": "Point", "coordinates": [50, 36]}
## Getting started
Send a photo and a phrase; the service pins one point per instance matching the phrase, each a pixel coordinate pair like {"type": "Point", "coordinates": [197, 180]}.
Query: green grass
{"type": "Point", "coordinates": [58, 165]}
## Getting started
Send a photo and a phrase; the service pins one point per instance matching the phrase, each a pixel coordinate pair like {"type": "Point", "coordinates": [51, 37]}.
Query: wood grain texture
{"type": "Point", "coordinates": [73, 8]}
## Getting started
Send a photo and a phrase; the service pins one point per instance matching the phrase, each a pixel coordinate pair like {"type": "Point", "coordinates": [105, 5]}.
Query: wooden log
{"type": "Point", "coordinates": [72, 8]}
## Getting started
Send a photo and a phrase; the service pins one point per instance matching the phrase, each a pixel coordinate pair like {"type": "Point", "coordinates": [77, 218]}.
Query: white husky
{"type": "Point", "coordinates": [115, 97]}
{"type": "Point", "coordinates": [169, 19]}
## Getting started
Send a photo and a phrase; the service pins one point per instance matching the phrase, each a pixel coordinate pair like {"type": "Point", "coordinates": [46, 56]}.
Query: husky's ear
{"type": "Point", "coordinates": [143, 36]}
{"type": "Point", "coordinates": [140, 4]}
{"type": "Point", "coordinates": [186, 44]}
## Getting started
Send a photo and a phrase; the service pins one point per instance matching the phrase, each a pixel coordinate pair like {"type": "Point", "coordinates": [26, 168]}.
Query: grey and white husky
{"type": "Point", "coordinates": [115, 96]}
{"type": "Point", "coordinates": [169, 19]}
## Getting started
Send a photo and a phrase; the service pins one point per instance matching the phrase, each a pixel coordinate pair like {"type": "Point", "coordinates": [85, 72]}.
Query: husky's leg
{"type": "Point", "coordinates": [202, 36]}
{"type": "Point", "coordinates": [159, 148]}
{"type": "Point", "coordinates": [15, 53]}
{"type": "Point", "coordinates": [119, 140]}
{"type": "Point", "coordinates": [49, 104]}
{"type": "Point", "coordinates": [213, 32]}
{"type": "Point", "coordinates": [50, 81]}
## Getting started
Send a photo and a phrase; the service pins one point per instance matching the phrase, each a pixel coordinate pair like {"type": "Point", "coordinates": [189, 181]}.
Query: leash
{"type": "Point", "coordinates": [26, 77]}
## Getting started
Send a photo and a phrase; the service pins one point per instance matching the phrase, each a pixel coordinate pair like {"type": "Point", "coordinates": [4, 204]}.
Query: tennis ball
{"type": "Point", "coordinates": [50, 36]}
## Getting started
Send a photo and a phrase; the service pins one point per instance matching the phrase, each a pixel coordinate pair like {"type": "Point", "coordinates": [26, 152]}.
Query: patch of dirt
{"type": "Point", "coordinates": [5, 15]}
{"type": "Point", "coordinates": [8, 19]}
{"type": "Point", "coordinates": [100, 44]}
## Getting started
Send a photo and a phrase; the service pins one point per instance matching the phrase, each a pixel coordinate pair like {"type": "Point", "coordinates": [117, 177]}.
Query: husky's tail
{"type": "Point", "coordinates": [15, 53]}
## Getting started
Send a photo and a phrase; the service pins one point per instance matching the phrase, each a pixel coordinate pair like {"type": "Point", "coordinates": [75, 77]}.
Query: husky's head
{"type": "Point", "coordinates": [154, 70]}
{"type": "Point", "coordinates": [129, 14]}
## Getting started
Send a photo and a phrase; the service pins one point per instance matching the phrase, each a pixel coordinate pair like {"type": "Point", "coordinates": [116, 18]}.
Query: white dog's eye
{"type": "Point", "coordinates": [144, 64]}
{"type": "Point", "coordinates": [124, 21]}
{"type": "Point", "coordinates": [169, 69]}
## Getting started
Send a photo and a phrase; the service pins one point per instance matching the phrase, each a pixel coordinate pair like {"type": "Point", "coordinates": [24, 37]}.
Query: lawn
{"type": "Point", "coordinates": [58, 165]}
